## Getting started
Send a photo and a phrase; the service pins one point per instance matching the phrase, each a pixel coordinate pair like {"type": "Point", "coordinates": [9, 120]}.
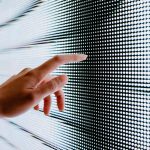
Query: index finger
{"type": "Point", "coordinates": [53, 63]}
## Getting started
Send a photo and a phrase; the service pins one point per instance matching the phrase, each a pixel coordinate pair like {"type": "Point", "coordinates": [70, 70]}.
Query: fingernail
{"type": "Point", "coordinates": [62, 110]}
{"type": "Point", "coordinates": [84, 56]}
{"type": "Point", "coordinates": [46, 114]}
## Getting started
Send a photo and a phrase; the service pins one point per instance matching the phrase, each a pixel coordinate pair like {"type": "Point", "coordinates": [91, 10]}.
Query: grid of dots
{"type": "Point", "coordinates": [108, 94]}
{"type": "Point", "coordinates": [107, 97]}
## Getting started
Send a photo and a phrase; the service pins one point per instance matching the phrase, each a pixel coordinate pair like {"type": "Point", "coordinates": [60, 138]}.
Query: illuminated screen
{"type": "Point", "coordinates": [108, 95]}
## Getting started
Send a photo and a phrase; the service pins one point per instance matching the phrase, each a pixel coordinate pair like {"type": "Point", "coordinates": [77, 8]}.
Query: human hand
{"type": "Point", "coordinates": [25, 90]}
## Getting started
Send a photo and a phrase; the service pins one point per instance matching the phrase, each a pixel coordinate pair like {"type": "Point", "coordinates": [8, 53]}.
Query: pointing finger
{"type": "Point", "coordinates": [55, 62]}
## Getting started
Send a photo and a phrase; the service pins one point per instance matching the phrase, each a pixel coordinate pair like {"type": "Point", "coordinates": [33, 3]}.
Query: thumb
{"type": "Point", "coordinates": [51, 86]}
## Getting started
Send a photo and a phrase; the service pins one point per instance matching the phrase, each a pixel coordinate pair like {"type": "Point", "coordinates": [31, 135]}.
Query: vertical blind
{"type": "Point", "coordinates": [108, 95]}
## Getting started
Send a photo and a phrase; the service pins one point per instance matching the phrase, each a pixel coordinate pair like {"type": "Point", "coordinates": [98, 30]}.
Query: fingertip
{"type": "Point", "coordinates": [61, 105]}
{"type": "Point", "coordinates": [84, 57]}
{"type": "Point", "coordinates": [46, 113]}
{"type": "Point", "coordinates": [36, 107]}
{"type": "Point", "coordinates": [61, 109]}
{"type": "Point", "coordinates": [80, 57]}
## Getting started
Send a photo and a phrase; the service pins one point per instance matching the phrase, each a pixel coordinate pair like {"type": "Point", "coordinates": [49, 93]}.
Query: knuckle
{"type": "Point", "coordinates": [57, 80]}
{"type": "Point", "coordinates": [57, 58]}
{"type": "Point", "coordinates": [52, 86]}
{"type": "Point", "coordinates": [30, 74]}
{"type": "Point", "coordinates": [26, 69]}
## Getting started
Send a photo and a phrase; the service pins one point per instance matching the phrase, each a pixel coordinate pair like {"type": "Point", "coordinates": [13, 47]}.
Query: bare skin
{"type": "Point", "coordinates": [25, 90]}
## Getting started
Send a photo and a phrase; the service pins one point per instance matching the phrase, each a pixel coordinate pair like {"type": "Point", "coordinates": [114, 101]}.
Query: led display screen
{"type": "Point", "coordinates": [107, 96]}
